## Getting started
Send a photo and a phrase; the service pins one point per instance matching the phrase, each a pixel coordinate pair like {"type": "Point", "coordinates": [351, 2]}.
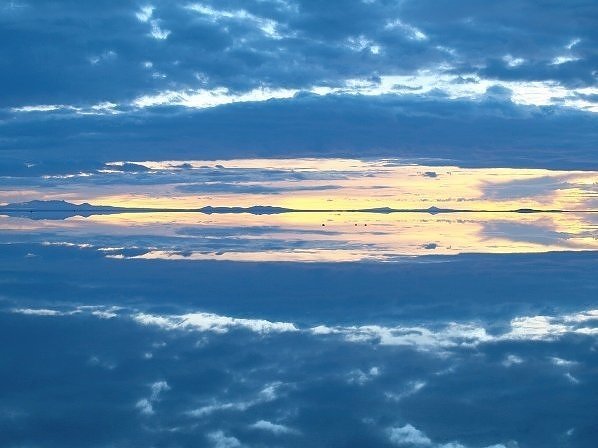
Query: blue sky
{"type": "Point", "coordinates": [510, 83]}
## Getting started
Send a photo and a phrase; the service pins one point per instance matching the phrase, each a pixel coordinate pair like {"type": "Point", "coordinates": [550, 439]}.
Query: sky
{"type": "Point", "coordinates": [279, 223]}
{"type": "Point", "coordinates": [510, 83]}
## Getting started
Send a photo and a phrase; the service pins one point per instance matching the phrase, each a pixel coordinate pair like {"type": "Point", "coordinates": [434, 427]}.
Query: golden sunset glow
{"type": "Point", "coordinates": [323, 191]}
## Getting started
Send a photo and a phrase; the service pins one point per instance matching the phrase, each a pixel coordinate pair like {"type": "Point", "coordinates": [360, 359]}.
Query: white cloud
{"type": "Point", "coordinates": [268, 27]}
{"type": "Point", "coordinates": [104, 314]}
{"type": "Point", "coordinates": [38, 312]}
{"type": "Point", "coordinates": [273, 427]}
{"type": "Point", "coordinates": [360, 377]}
{"type": "Point", "coordinates": [220, 440]}
{"type": "Point", "coordinates": [532, 93]}
{"type": "Point", "coordinates": [512, 360]}
{"type": "Point", "coordinates": [408, 435]}
{"type": "Point", "coordinates": [103, 108]}
{"type": "Point", "coordinates": [145, 405]}
{"type": "Point", "coordinates": [422, 338]}
{"type": "Point", "coordinates": [103, 57]}
{"type": "Point", "coordinates": [562, 362]}
{"type": "Point", "coordinates": [413, 387]}
{"type": "Point", "coordinates": [213, 323]}
{"type": "Point", "coordinates": [361, 43]}
{"type": "Point", "coordinates": [513, 62]}
{"type": "Point", "coordinates": [571, 378]}
{"type": "Point", "coordinates": [157, 32]}
{"type": "Point", "coordinates": [145, 13]}
{"type": "Point", "coordinates": [411, 32]}
{"type": "Point", "coordinates": [157, 388]}
{"type": "Point", "coordinates": [206, 98]}
{"type": "Point", "coordinates": [41, 108]}
{"type": "Point", "coordinates": [563, 59]}
{"type": "Point", "coordinates": [528, 328]}
{"type": "Point", "coordinates": [440, 338]}
{"type": "Point", "coordinates": [267, 394]}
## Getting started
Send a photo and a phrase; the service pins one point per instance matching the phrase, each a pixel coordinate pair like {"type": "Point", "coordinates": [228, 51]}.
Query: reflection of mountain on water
{"type": "Point", "coordinates": [58, 209]}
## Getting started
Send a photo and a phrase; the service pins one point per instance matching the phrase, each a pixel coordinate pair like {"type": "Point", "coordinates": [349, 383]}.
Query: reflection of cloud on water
{"type": "Point", "coordinates": [529, 233]}
{"type": "Point", "coordinates": [302, 237]}
{"type": "Point", "coordinates": [441, 337]}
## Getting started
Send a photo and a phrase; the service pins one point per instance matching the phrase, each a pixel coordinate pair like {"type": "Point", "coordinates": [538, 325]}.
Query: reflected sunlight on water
{"type": "Point", "coordinates": [481, 202]}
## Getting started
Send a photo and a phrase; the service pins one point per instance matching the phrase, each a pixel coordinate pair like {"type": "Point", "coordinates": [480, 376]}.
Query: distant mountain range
{"type": "Point", "coordinates": [57, 209]}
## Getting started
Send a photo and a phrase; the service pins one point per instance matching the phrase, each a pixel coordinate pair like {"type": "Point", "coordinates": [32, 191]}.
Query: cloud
{"type": "Point", "coordinates": [355, 126]}
{"type": "Point", "coordinates": [274, 428]}
{"type": "Point", "coordinates": [145, 405]}
{"type": "Point", "coordinates": [145, 15]}
{"type": "Point", "coordinates": [453, 335]}
{"type": "Point", "coordinates": [360, 377]}
{"type": "Point", "coordinates": [38, 312]}
{"type": "Point", "coordinates": [412, 388]}
{"type": "Point", "coordinates": [408, 436]}
{"type": "Point", "coordinates": [213, 323]}
{"type": "Point", "coordinates": [267, 394]}
{"type": "Point", "coordinates": [242, 48]}
{"type": "Point", "coordinates": [440, 338]}
{"type": "Point", "coordinates": [220, 440]}
{"type": "Point", "coordinates": [512, 360]}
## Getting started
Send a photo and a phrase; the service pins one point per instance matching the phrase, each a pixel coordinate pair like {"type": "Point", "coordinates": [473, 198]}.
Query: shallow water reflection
{"type": "Point", "coordinates": [454, 210]}
{"type": "Point", "coordinates": [468, 321]}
